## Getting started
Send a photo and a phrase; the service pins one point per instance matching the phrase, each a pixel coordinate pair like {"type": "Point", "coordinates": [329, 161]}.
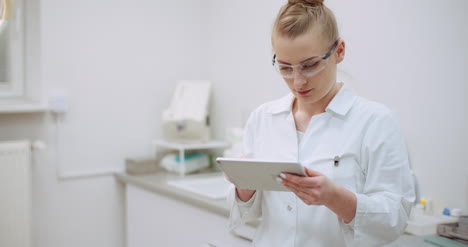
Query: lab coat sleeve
{"type": "Point", "coordinates": [242, 212]}
{"type": "Point", "coordinates": [388, 193]}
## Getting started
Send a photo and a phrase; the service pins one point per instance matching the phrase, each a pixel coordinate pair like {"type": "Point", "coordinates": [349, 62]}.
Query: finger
{"type": "Point", "coordinates": [309, 182]}
{"type": "Point", "coordinates": [311, 192]}
{"type": "Point", "coordinates": [304, 196]}
{"type": "Point", "coordinates": [299, 193]}
{"type": "Point", "coordinates": [312, 173]}
{"type": "Point", "coordinates": [291, 177]}
{"type": "Point", "coordinates": [290, 186]}
{"type": "Point", "coordinates": [295, 186]}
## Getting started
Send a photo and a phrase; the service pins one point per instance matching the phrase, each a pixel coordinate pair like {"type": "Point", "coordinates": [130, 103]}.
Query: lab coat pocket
{"type": "Point", "coordinates": [345, 172]}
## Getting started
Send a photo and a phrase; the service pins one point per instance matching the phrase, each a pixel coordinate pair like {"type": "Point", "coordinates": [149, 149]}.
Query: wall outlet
{"type": "Point", "coordinates": [59, 102]}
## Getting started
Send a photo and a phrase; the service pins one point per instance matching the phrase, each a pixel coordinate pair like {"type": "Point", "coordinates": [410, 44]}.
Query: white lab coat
{"type": "Point", "coordinates": [373, 164]}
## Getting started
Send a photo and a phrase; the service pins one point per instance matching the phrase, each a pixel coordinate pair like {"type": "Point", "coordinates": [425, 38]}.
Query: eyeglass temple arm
{"type": "Point", "coordinates": [331, 50]}
{"type": "Point", "coordinates": [324, 57]}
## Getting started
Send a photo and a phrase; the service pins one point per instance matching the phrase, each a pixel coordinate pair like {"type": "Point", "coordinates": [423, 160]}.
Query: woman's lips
{"type": "Point", "coordinates": [304, 92]}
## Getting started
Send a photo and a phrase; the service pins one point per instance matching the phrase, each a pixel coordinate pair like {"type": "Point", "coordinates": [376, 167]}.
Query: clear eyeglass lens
{"type": "Point", "coordinates": [285, 70]}
{"type": "Point", "coordinates": [309, 68]}
{"type": "Point", "coordinates": [313, 66]}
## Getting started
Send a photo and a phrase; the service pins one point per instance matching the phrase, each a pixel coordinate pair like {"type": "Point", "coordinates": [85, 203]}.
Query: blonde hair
{"type": "Point", "coordinates": [299, 16]}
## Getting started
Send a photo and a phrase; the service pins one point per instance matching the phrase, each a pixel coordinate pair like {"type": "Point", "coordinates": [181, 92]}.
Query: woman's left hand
{"type": "Point", "coordinates": [316, 189]}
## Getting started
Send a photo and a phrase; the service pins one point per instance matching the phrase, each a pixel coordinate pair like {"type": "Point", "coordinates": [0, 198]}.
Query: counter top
{"type": "Point", "coordinates": [157, 183]}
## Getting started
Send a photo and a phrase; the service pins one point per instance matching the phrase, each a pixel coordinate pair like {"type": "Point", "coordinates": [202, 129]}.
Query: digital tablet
{"type": "Point", "coordinates": [256, 174]}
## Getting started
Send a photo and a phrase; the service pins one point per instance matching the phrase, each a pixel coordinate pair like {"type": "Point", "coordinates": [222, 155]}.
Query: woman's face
{"type": "Point", "coordinates": [308, 89]}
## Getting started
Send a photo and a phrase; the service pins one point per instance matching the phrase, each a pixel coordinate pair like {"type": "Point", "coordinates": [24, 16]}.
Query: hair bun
{"type": "Point", "coordinates": [309, 3]}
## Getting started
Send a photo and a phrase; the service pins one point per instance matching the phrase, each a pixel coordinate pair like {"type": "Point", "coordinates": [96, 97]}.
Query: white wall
{"type": "Point", "coordinates": [409, 55]}
{"type": "Point", "coordinates": [240, 59]}
{"type": "Point", "coordinates": [118, 61]}
{"type": "Point", "coordinates": [412, 56]}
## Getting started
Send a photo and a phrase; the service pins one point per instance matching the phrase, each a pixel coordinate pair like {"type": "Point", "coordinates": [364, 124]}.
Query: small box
{"type": "Point", "coordinates": [463, 221]}
{"type": "Point", "coordinates": [452, 230]}
{"type": "Point", "coordinates": [141, 166]}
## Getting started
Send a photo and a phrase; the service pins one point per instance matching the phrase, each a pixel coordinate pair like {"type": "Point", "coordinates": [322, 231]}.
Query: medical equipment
{"type": "Point", "coordinates": [184, 165]}
{"type": "Point", "coordinates": [187, 120]}
{"type": "Point", "coordinates": [457, 231]}
{"type": "Point", "coordinates": [137, 166]}
{"type": "Point", "coordinates": [163, 147]}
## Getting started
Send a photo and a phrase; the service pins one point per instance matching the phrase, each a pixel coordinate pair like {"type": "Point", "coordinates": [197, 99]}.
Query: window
{"type": "Point", "coordinates": [12, 46]}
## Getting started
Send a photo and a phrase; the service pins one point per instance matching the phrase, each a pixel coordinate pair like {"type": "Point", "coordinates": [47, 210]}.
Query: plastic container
{"type": "Point", "coordinates": [456, 212]}
{"type": "Point", "coordinates": [427, 225]}
{"type": "Point", "coordinates": [417, 211]}
{"type": "Point", "coordinates": [428, 207]}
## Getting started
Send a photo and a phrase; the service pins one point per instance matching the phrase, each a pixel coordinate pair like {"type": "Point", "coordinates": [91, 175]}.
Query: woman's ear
{"type": "Point", "coordinates": [340, 51]}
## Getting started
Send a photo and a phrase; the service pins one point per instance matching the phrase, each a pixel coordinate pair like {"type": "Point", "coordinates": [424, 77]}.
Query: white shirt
{"type": "Point", "coordinates": [373, 164]}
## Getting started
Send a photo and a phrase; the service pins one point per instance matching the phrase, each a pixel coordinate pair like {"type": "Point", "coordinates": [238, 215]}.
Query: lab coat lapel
{"type": "Point", "coordinates": [281, 144]}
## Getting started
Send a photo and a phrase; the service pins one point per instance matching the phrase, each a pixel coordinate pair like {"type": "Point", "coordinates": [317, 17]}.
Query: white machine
{"type": "Point", "coordinates": [187, 119]}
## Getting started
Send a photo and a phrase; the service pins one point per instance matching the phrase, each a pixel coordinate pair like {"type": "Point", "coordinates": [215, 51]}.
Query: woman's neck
{"type": "Point", "coordinates": [317, 107]}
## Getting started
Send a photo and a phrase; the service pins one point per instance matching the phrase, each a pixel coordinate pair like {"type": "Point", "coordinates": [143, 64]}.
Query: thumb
{"type": "Point", "coordinates": [312, 173]}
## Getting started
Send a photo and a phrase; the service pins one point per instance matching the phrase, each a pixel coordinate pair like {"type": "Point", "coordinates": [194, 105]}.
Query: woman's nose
{"type": "Point", "coordinates": [299, 80]}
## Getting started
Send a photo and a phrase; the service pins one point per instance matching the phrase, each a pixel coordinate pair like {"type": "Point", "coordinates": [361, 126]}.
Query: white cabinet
{"type": "Point", "coordinates": [155, 220]}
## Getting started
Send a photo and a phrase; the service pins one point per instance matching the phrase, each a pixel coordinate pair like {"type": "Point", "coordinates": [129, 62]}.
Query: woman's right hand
{"type": "Point", "coordinates": [242, 194]}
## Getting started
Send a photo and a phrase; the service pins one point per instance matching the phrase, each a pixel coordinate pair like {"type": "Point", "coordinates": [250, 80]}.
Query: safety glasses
{"type": "Point", "coordinates": [306, 68]}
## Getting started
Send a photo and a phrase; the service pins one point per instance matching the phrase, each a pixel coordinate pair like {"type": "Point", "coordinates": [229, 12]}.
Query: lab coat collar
{"type": "Point", "coordinates": [342, 102]}
{"type": "Point", "coordinates": [339, 105]}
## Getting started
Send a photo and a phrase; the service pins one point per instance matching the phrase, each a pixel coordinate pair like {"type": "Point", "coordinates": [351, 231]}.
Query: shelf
{"type": "Point", "coordinates": [191, 146]}
{"type": "Point", "coordinates": [10, 107]}
{"type": "Point", "coordinates": [183, 147]}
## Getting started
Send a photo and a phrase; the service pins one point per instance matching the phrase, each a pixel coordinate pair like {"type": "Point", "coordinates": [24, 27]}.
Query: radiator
{"type": "Point", "coordinates": [15, 194]}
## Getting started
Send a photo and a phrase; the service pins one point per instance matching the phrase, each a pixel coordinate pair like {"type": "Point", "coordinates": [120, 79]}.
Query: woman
{"type": "Point", "coordinates": [359, 190]}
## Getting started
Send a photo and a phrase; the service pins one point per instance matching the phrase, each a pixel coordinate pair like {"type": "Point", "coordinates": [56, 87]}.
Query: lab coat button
{"type": "Point", "coordinates": [289, 208]}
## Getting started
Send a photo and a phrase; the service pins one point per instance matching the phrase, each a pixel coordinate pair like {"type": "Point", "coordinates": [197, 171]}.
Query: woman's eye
{"type": "Point", "coordinates": [310, 66]}
{"type": "Point", "coordinates": [285, 68]}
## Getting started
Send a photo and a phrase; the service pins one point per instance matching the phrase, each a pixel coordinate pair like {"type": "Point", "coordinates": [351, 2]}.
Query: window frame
{"type": "Point", "coordinates": [14, 87]}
